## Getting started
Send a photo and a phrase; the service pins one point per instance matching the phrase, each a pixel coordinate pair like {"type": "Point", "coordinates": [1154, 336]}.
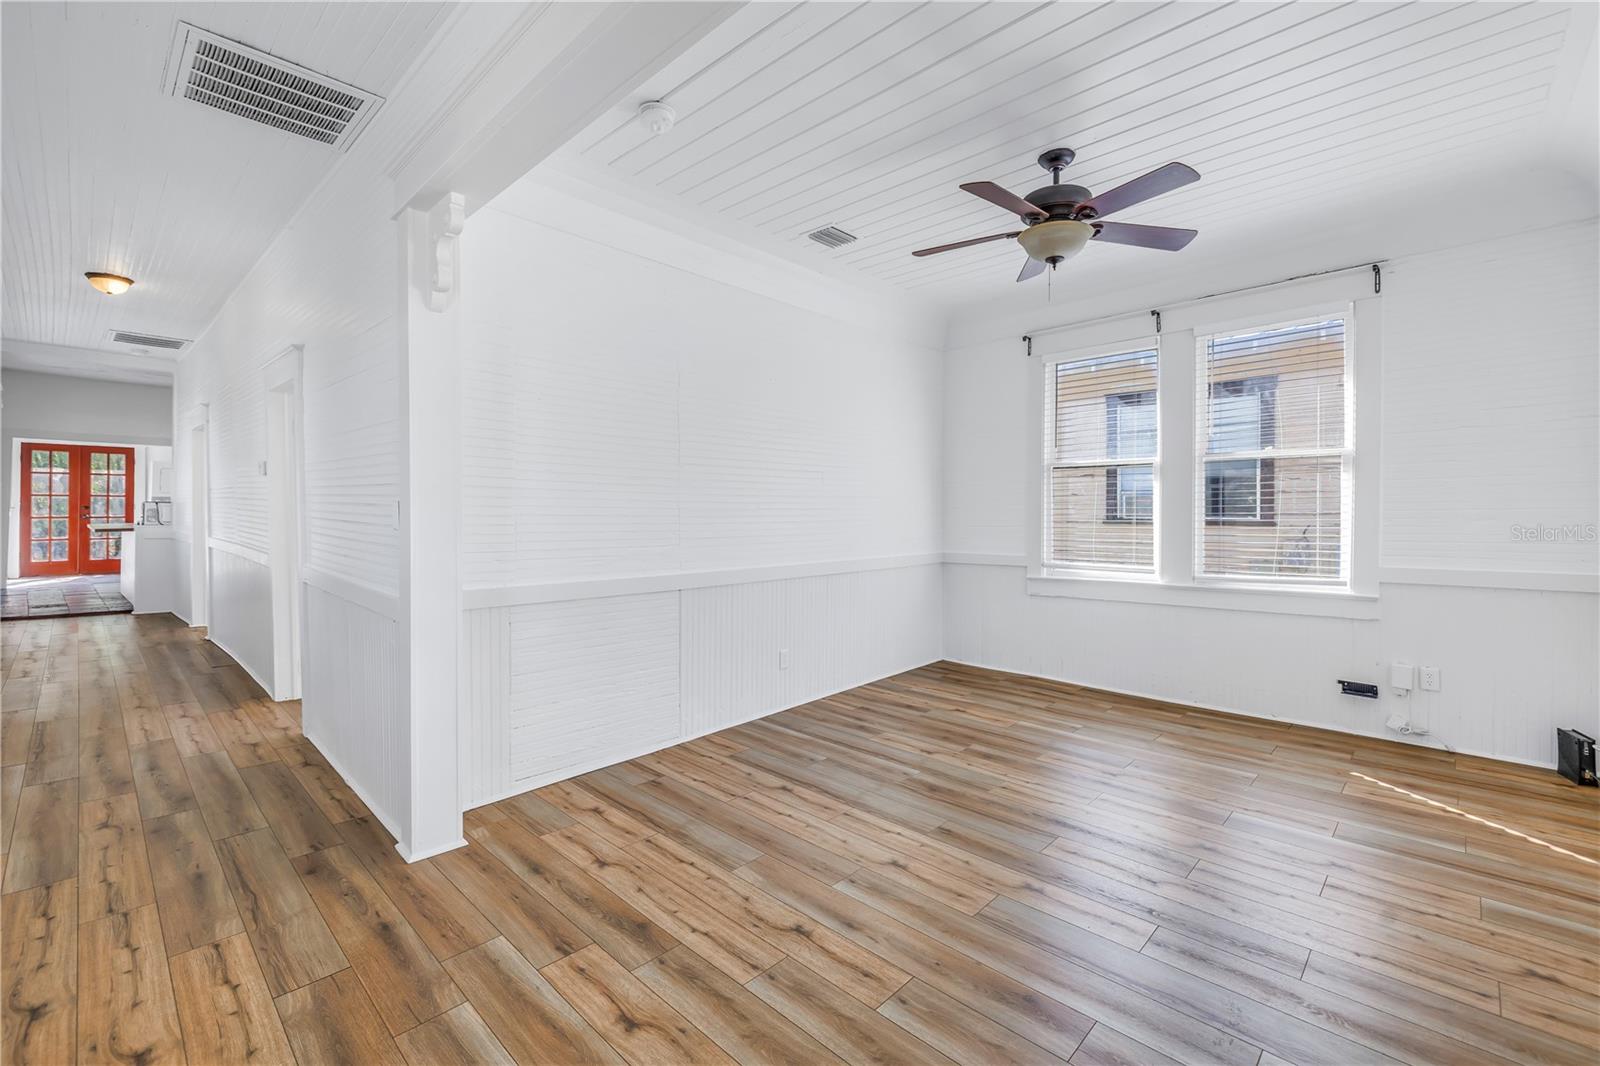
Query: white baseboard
{"type": "Point", "coordinates": [246, 667]}
{"type": "Point", "coordinates": [355, 786]}
{"type": "Point", "coordinates": [419, 856]}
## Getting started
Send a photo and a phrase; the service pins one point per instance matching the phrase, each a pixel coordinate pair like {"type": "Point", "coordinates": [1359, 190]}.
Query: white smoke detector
{"type": "Point", "coordinates": [657, 117]}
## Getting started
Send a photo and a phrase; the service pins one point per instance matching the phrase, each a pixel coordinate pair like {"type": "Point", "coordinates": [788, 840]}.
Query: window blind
{"type": "Point", "coordinates": [1273, 453]}
{"type": "Point", "coordinates": [1100, 451]}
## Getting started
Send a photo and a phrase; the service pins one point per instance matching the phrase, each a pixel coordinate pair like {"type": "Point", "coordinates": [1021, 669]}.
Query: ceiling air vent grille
{"type": "Point", "coordinates": [147, 340]}
{"type": "Point", "coordinates": [831, 237]}
{"type": "Point", "coordinates": [251, 84]}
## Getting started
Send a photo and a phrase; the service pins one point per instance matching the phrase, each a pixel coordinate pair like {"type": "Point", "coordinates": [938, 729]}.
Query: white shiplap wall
{"type": "Point", "coordinates": [353, 453]}
{"type": "Point", "coordinates": [1490, 357]}
{"type": "Point", "coordinates": [1490, 422]}
{"type": "Point", "coordinates": [647, 420]}
{"type": "Point", "coordinates": [627, 415]}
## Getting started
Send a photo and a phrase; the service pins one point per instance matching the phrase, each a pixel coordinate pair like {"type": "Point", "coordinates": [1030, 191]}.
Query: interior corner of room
{"type": "Point", "coordinates": [979, 532]}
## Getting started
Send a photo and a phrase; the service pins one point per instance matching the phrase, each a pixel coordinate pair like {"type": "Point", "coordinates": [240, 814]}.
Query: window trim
{"type": "Point", "coordinates": [1346, 294]}
{"type": "Point", "coordinates": [1041, 446]}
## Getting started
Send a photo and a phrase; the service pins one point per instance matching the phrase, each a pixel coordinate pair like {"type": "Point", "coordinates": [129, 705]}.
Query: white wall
{"type": "Point", "coordinates": [329, 284]}
{"type": "Point", "coordinates": [57, 407]}
{"type": "Point", "coordinates": [697, 488]}
{"type": "Point", "coordinates": [1489, 398]}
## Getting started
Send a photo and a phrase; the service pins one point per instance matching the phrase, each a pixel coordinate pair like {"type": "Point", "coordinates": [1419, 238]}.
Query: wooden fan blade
{"type": "Point", "coordinates": [1162, 179]}
{"type": "Point", "coordinates": [1031, 269]}
{"type": "Point", "coordinates": [1164, 238]}
{"type": "Point", "coordinates": [988, 190]}
{"type": "Point", "coordinates": [936, 249]}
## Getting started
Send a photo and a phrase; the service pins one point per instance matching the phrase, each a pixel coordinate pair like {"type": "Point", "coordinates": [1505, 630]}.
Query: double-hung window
{"type": "Point", "coordinates": [1229, 473]}
{"type": "Point", "coordinates": [1100, 453]}
{"type": "Point", "coordinates": [1273, 463]}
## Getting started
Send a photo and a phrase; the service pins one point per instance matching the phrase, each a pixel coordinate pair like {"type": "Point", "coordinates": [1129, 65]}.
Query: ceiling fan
{"type": "Point", "coordinates": [1061, 219]}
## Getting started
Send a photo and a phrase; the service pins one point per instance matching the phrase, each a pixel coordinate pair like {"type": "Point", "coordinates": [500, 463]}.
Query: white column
{"type": "Point", "coordinates": [431, 591]}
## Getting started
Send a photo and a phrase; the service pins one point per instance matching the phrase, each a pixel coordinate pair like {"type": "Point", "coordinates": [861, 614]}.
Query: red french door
{"type": "Point", "coordinates": [65, 487]}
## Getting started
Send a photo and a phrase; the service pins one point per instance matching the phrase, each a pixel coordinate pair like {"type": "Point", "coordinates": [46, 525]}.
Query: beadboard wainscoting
{"type": "Point", "coordinates": [552, 689]}
{"type": "Point", "coordinates": [240, 622]}
{"type": "Point", "coordinates": [1507, 685]}
{"type": "Point", "coordinates": [353, 683]}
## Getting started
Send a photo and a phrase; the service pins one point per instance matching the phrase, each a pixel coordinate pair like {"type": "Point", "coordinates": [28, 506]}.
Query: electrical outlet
{"type": "Point", "coordinates": [783, 658]}
{"type": "Point", "coordinates": [1430, 678]}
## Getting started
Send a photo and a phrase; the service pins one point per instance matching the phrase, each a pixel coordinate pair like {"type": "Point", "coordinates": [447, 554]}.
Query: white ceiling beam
{"type": "Point", "coordinates": [566, 65]}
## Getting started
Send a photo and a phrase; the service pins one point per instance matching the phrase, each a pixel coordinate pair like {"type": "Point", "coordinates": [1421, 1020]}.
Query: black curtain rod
{"type": "Point", "coordinates": [1377, 287]}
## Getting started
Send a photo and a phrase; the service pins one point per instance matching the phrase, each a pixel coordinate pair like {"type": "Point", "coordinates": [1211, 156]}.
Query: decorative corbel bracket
{"type": "Point", "coordinates": [445, 222]}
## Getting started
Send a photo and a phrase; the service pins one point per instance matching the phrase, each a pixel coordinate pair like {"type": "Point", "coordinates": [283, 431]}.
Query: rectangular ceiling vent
{"type": "Point", "coordinates": [252, 84]}
{"type": "Point", "coordinates": [147, 340]}
{"type": "Point", "coordinates": [831, 237]}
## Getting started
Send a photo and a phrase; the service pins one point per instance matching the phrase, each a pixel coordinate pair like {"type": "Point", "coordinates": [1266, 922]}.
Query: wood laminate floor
{"type": "Point", "coordinates": [951, 865]}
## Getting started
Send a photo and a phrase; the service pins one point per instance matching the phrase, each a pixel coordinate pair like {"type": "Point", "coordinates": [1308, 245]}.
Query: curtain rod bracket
{"type": "Point", "coordinates": [1157, 316]}
{"type": "Point", "coordinates": [1377, 278]}
{"type": "Point", "coordinates": [1027, 340]}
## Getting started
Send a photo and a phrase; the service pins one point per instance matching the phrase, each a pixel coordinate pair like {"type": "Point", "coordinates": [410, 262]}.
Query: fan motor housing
{"type": "Point", "coordinates": [1058, 199]}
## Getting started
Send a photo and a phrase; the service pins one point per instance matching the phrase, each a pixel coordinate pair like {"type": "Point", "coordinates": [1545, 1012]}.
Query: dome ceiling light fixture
{"type": "Point", "coordinates": [1061, 219]}
{"type": "Point", "coordinates": [110, 284]}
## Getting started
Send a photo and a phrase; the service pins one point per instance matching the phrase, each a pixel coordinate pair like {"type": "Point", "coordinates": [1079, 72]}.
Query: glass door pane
{"type": "Point", "coordinates": [48, 472]}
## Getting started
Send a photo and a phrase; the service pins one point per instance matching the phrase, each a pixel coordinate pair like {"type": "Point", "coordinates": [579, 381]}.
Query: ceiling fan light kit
{"type": "Point", "coordinates": [1055, 242]}
{"type": "Point", "coordinates": [1060, 219]}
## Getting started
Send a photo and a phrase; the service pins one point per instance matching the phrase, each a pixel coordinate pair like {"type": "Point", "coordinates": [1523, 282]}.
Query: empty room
{"type": "Point", "coordinates": [800, 532]}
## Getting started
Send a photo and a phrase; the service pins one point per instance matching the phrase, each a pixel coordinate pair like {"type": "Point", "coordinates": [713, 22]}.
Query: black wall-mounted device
{"type": "Point", "coordinates": [1575, 756]}
{"type": "Point", "coordinates": [1359, 688]}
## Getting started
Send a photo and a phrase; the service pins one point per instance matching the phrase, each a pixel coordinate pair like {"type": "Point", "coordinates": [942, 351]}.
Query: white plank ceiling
{"type": "Point", "coordinates": [1300, 117]}
{"type": "Point", "coordinates": [104, 171]}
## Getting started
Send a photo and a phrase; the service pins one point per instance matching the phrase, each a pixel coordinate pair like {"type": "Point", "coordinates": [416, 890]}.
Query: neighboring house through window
{"type": "Point", "coordinates": [1243, 419]}
{"type": "Point", "coordinates": [1130, 433]}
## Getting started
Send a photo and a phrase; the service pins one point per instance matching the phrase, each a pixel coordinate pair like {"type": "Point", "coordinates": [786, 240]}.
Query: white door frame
{"type": "Point", "coordinates": [281, 381]}
{"type": "Point", "coordinates": [197, 425]}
